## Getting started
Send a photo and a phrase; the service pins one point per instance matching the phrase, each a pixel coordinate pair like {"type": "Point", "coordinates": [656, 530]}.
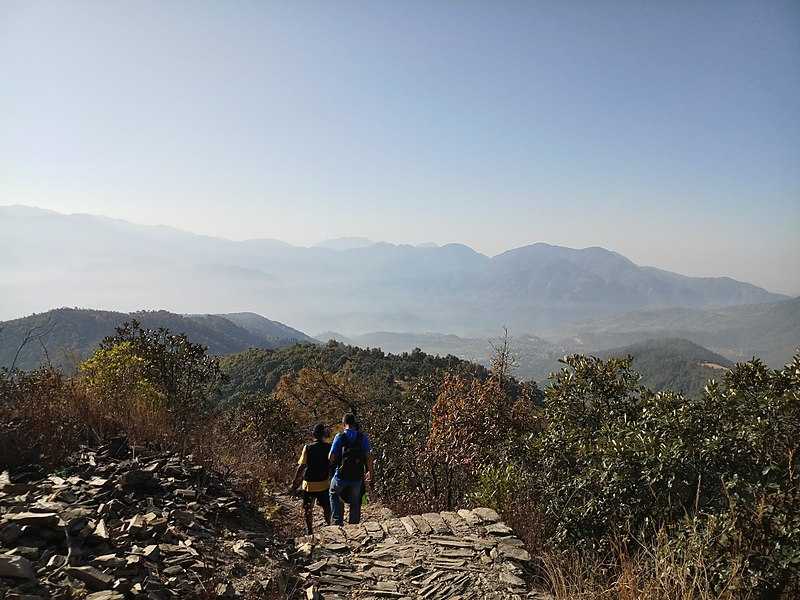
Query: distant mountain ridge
{"type": "Point", "coordinates": [345, 243]}
{"type": "Point", "coordinates": [84, 260]}
{"type": "Point", "coordinates": [66, 335]}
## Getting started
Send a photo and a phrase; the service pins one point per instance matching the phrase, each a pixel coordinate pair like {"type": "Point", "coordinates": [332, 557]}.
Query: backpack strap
{"type": "Point", "coordinates": [346, 439]}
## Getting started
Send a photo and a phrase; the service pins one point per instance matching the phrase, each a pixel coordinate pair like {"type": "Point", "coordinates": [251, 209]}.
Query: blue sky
{"type": "Point", "coordinates": [668, 131]}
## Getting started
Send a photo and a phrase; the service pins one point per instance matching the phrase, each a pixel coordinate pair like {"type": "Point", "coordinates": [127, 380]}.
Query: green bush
{"type": "Point", "coordinates": [616, 460]}
{"type": "Point", "coordinates": [161, 364]}
{"type": "Point", "coordinates": [500, 487]}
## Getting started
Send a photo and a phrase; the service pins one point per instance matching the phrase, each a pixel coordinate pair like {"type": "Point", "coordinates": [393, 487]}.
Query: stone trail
{"type": "Point", "coordinates": [433, 556]}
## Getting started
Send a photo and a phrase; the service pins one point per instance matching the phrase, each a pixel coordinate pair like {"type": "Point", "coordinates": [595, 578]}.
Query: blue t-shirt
{"type": "Point", "coordinates": [338, 442]}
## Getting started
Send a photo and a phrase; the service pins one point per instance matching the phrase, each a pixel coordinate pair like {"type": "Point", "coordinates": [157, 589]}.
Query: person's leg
{"type": "Point", "coordinates": [337, 510]}
{"type": "Point", "coordinates": [325, 502]}
{"type": "Point", "coordinates": [355, 503]}
{"type": "Point", "coordinates": [308, 511]}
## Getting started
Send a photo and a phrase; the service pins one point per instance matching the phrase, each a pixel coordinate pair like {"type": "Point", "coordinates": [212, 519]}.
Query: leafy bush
{"type": "Point", "coordinates": [159, 365]}
{"type": "Point", "coordinates": [500, 486]}
{"type": "Point", "coordinates": [617, 462]}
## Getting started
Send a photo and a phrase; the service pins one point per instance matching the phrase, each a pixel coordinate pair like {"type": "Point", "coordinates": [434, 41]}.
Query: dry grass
{"type": "Point", "coordinates": [251, 466]}
{"type": "Point", "coordinates": [658, 571]}
{"type": "Point", "coordinates": [46, 416]}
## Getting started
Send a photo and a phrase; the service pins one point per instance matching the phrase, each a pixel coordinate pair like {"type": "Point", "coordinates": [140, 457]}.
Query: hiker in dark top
{"type": "Point", "coordinates": [313, 469]}
{"type": "Point", "coordinates": [352, 455]}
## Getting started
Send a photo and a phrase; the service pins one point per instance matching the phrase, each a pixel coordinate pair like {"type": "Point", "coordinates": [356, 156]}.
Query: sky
{"type": "Point", "coordinates": [667, 131]}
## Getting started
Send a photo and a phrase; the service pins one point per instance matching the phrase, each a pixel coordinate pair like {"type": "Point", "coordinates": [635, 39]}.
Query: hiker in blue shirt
{"type": "Point", "coordinates": [352, 455]}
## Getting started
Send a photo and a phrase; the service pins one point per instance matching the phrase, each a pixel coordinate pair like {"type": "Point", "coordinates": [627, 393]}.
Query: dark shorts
{"type": "Point", "coordinates": [322, 498]}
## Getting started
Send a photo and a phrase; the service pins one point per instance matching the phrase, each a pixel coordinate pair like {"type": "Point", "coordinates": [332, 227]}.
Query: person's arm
{"type": "Point", "coordinates": [301, 470]}
{"type": "Point", "coordinates": [298, 478]}
{"type": "Point", "coordinates": [369, 474]}
{"type": "Point", "coordinates": [333, 456]}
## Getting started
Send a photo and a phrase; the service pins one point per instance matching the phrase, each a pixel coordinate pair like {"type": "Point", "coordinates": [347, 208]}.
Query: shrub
{"type": "Point", "coordinates": [477, 425]}
{"type": "Point", "coordinates": [44, 416]}
{"type": "Point", "coordinates": [617, 462]}
{"type": "Point", "coordinates": [165, 366]}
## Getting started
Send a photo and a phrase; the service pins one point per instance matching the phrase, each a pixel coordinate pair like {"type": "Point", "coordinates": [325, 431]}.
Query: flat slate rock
{"type": "Point", "coordinates": [487, 514]}
{"type": "Point", "coordinates": [464, 555]}
{"type": "Point", "coordinates": [16, 567]}
{"type": "Point", "coordinates": [121, 523]}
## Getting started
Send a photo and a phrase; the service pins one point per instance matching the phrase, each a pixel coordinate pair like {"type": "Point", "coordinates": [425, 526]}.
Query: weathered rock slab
{"type": "Point", "coordinates": [470, 554]}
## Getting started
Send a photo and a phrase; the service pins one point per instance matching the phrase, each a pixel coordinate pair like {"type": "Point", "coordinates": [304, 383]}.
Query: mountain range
{"type": "Point", "coordinates": [86, 260]}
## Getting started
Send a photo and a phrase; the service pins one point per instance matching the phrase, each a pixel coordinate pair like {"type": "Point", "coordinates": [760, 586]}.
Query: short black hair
{"type": "Point", "coordinates": [320, 431]}
{"type": "Point", "coordinates": [349, 419]}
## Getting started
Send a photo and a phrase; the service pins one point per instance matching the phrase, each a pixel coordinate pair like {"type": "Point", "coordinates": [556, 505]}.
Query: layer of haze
{"type": "Point", "coordinates": [669, 132]}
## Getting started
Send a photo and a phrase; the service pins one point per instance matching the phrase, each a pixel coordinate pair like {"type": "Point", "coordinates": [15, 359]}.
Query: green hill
{"type": "Point", "coordinates": [258, 371]}
{"type": "Point", "coordinates": [65, 336]}
{"type": "Point", "coordinates": [278, 333]}
{"type": "Point", "coordinates": [673, 364]}
{"type": "Point", "coordinates": [535, 357]}
{"type": "Point", "coordinates": [770, 331]}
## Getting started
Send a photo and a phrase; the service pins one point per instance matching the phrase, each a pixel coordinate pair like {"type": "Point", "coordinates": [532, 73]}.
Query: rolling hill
{"type": "Point", "coordinates": [87, 260]}
{"type": "Point", "coordinates": [666, 363]}
{"type": "Point", "coordinates": [535, 356]}
{"type": "Point", "coordinates": [770, 331]}
{"type": "Point", "coordinates": [67, 335]}
{"type": "Point", "coordinates": [673, 364]}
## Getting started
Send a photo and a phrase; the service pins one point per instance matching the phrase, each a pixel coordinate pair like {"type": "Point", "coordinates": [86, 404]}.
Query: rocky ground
{"type": "Point", "coordinates": [469, 554]}
{"type": "Point", "coordinates": [121, 522]}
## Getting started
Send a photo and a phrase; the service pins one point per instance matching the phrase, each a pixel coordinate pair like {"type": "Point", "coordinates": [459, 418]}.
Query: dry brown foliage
{"type": "Point", "coordinates": [45, 416]}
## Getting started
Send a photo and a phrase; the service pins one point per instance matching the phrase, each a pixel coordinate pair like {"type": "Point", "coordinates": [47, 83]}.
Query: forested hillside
{"type": "Point", "coordinates": [534, 357]}
{"type": "Point", "coordinates": [611, 486]}
{"type": "Point", "coordinates": [673, 364]}
{"type": "Point", "coordinates": [664, 363]}
{"type": "Point", "coordinates": [65, 336]}
{"type": "Point", "coordinates": [258, 371]}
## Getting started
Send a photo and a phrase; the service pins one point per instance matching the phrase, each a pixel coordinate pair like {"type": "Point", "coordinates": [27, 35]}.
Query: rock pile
{"type": "Point", "coordinates": [468, 554]}
{"type": "Point", "coordinates": [123, 523]}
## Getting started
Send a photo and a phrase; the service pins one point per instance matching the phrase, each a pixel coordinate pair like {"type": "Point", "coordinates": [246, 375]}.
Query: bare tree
{"type": "Point", "coordinates": [36, 333]}
{"type": "Point", "coordinates": [503, 360]}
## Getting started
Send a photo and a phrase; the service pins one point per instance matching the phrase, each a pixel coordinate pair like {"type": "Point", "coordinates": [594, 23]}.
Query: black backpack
{"type": "Point", "coordinates": [354, 459]}
{"type": "Point", "coordinates": [317, 464]}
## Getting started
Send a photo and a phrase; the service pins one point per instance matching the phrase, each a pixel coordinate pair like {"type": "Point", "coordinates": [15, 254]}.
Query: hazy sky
{"type": "Point", "coordinates": [668, 131]}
